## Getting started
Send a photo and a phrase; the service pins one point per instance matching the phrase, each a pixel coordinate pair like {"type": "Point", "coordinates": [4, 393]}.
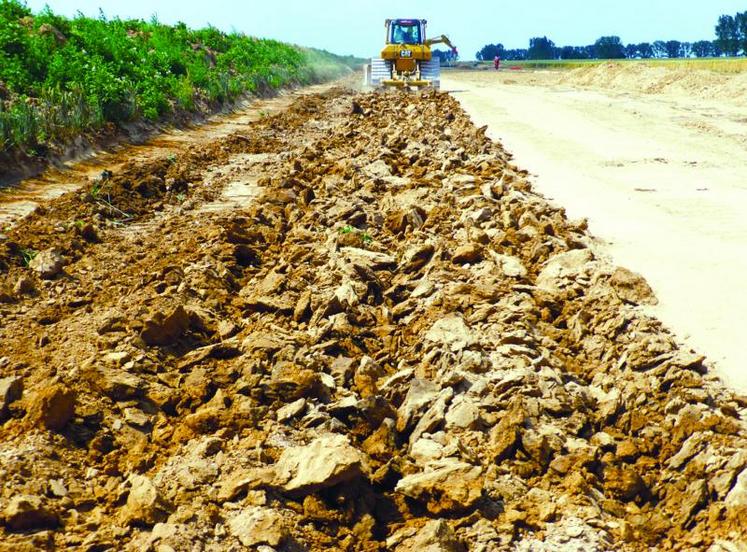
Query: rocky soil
{"type": "Point", "coordinates": [349, 326]}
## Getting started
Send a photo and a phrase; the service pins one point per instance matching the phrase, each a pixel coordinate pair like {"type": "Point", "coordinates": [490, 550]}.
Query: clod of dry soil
{"type": "Point", "coordinates": [395, 344]}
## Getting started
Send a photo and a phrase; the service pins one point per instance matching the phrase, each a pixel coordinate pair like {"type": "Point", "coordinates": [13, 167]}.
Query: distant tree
{"type": "Point", "coordinates": [659, 49]}
{"type": "Point", "coordinates": [741, 21]}
{"type": "Point", "coordinates": [573, 52]}
{"type": "Point", "coordinates": [489, 51]}
{"type": "Point", "coordinates": [727, 33]}
{"type": "Point", "coordinates": [673, 48]}
{"type": "Point", "coordinates": [702, 48]}
{"type": "Point", "coordinates": [731, 40]}
{"type": "Point", "coordinates": [645, 50]}
{"type": "Point", "coordinates": [541, 48]}
{"type": "Point", "coordinates": [717, 51]}
{"type": "Point", "coordinates": [445, 57]}
{"type": "Point", "coordinates": [609, 47]}
{"type": "Point", "coordinates": [517, 54]}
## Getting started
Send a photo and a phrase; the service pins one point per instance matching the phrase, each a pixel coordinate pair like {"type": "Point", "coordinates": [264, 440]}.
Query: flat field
{"type": "Point", "coordinates": [718, 65]}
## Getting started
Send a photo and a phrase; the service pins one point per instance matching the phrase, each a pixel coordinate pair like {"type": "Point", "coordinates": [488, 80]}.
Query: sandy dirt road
{"type": "Point", "coordinates": [662, 179]}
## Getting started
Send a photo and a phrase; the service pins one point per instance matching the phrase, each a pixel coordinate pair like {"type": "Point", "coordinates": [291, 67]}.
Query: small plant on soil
{"type": "Point", "coordinates": [96, 189]}
{"type": "Point", "coordinates": [364, 236]}
{"type": "Point", "coordinates": [28, 255]}
{"type": "Point", "coordinates": [114, 211]}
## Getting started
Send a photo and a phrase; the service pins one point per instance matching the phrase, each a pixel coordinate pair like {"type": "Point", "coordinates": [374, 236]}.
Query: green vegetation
{"type": "Point", "coordinates": [95, 189]}
{"type": "Point", "coordinates": [28, 255]}
{"type": "Point", "coordinates": [60, 77]}
{"type": "Point", "coordinates": [717, 65]}
{"type": "Point", "coordinates": [364, 236]}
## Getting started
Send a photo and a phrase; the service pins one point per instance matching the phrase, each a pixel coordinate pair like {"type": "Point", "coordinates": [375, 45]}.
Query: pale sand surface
{"type": "Point", "coordinates": [659, 170]}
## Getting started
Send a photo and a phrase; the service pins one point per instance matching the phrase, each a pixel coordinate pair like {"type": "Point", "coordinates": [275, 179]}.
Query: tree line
{"type": "Point", "coordinates": [731, 40]}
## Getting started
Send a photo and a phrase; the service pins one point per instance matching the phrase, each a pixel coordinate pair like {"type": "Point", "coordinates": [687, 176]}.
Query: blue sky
{"type": "Point", "coordinates": [356, 26]}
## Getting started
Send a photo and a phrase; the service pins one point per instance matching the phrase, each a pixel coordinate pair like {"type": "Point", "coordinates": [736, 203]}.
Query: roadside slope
{"type": "Point", "coordinates": [27, 194]}
{"type": "Point", "coordinates": [67, 81]}
{"type": "Point", "coordinates": [661, 179]}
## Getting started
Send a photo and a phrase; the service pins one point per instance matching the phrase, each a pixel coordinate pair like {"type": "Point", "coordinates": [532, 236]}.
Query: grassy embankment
{"type": "Point", "coordinates": [718, 65]}
{"type": "Point", "coordinates": [61, 77]}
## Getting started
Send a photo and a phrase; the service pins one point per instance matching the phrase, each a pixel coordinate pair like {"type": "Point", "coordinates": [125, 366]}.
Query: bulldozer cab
{"type": "Point", "coordinates": [405, 31]}
{"type": "Point", "coordinates": [406, 60]}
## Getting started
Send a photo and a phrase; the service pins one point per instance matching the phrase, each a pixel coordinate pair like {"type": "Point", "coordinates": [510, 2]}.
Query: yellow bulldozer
{"type": "Point", "coordinates": [407, 60]}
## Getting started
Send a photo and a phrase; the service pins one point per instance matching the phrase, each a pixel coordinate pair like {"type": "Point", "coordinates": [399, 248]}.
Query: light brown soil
{"type": "Point", "coordinates": [727, 89]}
{"type": "Point", "coordinates": [348, 326]}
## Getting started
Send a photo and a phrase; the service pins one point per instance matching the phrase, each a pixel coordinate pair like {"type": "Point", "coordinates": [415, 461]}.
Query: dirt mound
{"type": "Point", "coordinates": [395, 345]}
{"type": "Point", "coordinates": [638, 77]}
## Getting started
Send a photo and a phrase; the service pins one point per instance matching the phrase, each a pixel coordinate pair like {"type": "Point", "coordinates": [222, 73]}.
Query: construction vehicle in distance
{"type": "Point", "coordinates": [407, 60]}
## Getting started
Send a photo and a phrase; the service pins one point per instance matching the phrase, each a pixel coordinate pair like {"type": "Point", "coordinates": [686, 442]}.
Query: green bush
{"type": "Point", "coordinates": [60, 76]}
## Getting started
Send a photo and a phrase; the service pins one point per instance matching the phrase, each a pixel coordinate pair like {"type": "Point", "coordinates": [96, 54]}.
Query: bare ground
{"type": "Point", "coordinates": [656, 159]}
{"type": "Point", "coordinates": [352, 325]}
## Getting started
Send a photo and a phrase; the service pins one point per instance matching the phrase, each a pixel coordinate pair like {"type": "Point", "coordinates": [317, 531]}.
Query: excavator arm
{"type": "Point", "coordinates": [443, 39]}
